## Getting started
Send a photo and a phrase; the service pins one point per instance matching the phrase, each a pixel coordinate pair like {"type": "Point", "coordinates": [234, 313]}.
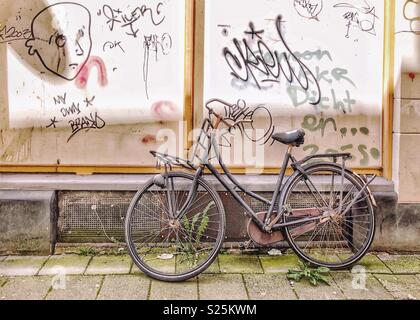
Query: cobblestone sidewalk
{"type": "Point", "coordinates": [231, 277]}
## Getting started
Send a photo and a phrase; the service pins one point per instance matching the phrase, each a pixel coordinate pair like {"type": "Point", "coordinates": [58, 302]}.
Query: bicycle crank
{"type": "Point", "coordinates": [260, 237]}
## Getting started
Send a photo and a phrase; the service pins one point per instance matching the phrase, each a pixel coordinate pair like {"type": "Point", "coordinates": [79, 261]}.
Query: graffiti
{"type": "Point", "coordinates": [83, 76]}
{"type": "Point", "coordinates": [411, 15]}
{"type": "Point", "coordinates": [300, 97]}
{"type": "Point", "coordinates": [267, 65]}
{"type": "Point", "coordinates": [112, 45]}
{"type": "Point", "coordinates": [157, 45]}
{"type": "Point", "coordinates": [360, 151]}
{"type": "Point", "coordinates": [309, 9]}
{"type": "Point", "coordinates": [10, 33]}
{"type": "Point", "coordinates": [60, 99]}
{"type": "Point", "coordinates": [70, 113]}
{"type": "Point", "coordinates": [129, 21]}
{"type": "Point", "coordinates": [93, 121]}
{"type": "Point", "coordinates": [64, 53]}
{"type": "Point", "coordinates": [363, 18]}
{"type": "Point", "coordinates": [164, 110]}
{"type": "Point", "coordinates": [311, 123]}
{"type": "Point", "coordinates": [318, 54]}
{"type": "Point", "coordinates": [89, 101]}
{"type": "Point", "coordinates": [331, 99]}
{"type": "Point", "coordinates": [73, 109]}
{"type": "Point", "coordinates": [225, 29]}
{"type": "Point", "coordinates": [53, 123]}
{"type": "Point", "coordinates": [240, 111]}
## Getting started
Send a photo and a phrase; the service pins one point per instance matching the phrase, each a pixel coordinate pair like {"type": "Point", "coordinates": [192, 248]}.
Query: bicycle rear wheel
{"type": "Point", "coordinates": [173, 248]}
{"type": "Point", "coordinates": [346, 225]}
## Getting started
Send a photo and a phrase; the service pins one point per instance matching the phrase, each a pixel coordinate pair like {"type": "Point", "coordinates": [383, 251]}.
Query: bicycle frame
{"type": "Point", "coordinates": [266, 225]}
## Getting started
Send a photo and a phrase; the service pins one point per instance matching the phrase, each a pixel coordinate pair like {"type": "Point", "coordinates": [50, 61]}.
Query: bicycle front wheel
{"type": "Point", "coordinates": [168, 244]}
{"type": "Point", "coordinates": [346, 225]}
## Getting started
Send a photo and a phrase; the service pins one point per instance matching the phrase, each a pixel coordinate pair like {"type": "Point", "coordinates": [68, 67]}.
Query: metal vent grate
{"type": "Point", "coordinates": [92, 216]}
{"type": "Point", "coordinates": [297, 200]}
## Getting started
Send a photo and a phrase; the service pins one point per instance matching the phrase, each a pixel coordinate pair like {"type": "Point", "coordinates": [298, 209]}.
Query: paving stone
{"type": "Point", "coordinates": [306, 291]}
{"type": "Point", "coordinates": [373, 264]}
{"type": "Point", "coordinates": [21, 266]}
{"type": "Point", "coordinates": [239, 264]}
{"type": "Point", "coordinates": [268, 287]}
{"type": "Point", "coordinates": [164, 266]}
{"type": "Point", "coordinates": [65, 264]}
{"type": "Point", "coordinates": [222, 287]}
{"type": "Point", "coordinates": [214, 268]}
{"type": "Point", "coordinates": [2, 281]}
{"type": "Point", "coordinates": [401, 286]}
{"type": "Point", "coordinates": [279, 264]}
{"type": "Point", "coordinates": [402, 264]}
{"type": "Point", "coordinates": [109, 265]}
{"type": "Point", "coordinates": [124, 287]}
{"type": "Point", "coordinates": [76, 288]}
{"type": "Point", "coordinates": [174, 291]}
{"type": "Point", "coordinates": [353, 289]}
{"type": "Point", "coordinates": [25, 288]}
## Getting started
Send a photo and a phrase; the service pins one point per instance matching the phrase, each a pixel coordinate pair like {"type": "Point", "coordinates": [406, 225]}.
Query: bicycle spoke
{"type": "Point", "coordinates": [163, 243]}
{"type": "Point", "coordinates": [338, 234]}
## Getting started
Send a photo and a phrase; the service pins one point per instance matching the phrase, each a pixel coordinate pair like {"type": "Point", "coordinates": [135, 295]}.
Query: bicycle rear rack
{"type": "Point", "coordinates": [170, 161]}
{"type": "Point", "coordinates": [200, 151]}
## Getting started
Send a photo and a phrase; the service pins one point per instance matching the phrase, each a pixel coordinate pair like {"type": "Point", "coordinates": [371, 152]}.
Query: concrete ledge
{"type": "Point", "coordinates": [26, 221]}
{"type": "Point", "coordinates": [126, 182]}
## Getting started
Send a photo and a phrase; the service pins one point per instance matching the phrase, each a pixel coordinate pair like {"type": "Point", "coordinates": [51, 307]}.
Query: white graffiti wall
{"type": "Point", "coordinates": [90, 82]}
{"type": "Point", "coordinates": [315, 64]}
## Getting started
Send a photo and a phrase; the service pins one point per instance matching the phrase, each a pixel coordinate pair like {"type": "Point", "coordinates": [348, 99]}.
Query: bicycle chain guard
{"type": "Point", "coordinates": [261, 237]}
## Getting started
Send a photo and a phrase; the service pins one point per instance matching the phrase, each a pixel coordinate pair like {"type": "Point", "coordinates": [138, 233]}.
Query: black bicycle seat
{"type": "Point", "coordinates": [294, 138]}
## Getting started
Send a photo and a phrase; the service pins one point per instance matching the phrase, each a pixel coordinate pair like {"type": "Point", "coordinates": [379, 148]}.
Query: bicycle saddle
{"type": "Point", "coordinates": [294, 138]}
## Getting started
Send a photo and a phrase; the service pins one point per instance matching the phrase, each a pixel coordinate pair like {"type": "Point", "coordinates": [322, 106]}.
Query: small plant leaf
{"type": "Point", "coordinates": [294, 276]}
{"type": "Point", "coordinates": [323, 270]}
{"type": "Point", "coordinates": [314, 276]}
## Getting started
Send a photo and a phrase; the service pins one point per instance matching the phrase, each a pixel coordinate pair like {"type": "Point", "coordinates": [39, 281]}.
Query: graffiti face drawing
{"type": "Point", "coordinates": [61, 38]}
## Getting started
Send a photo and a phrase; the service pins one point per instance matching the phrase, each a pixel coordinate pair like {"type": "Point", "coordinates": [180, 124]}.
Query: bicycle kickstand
{"type": "Point", "coordinates": [245, 245]}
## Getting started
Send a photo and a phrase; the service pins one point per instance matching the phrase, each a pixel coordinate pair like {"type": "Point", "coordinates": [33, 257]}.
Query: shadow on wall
{"type": "Point", "coordinates": [36, 35]}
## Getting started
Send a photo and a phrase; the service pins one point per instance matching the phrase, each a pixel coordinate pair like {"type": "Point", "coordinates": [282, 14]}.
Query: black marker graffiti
{"type": "Point", "coordinates": [129, 20]}
{"type": "Point", "coordinates": [62, 52]}
{"type": "Point", "coordinates": [60, 99]}
{"type": "Point", "coordinates": [309, 9]}
{"type": "Point", "coordinates": [363, 18]}
{"type": "Point", "coordinates": [264, 61]}
{"type": "Point", "coordinates": [240, 111]}
{"type": "Point", "coordinates": [53, 123]}
{"type": "Point", "coordinates": [341, 101]}
{"type": "Point", "coordinates": [93, 121]}
{"type": "Point", "coordinates": [10, 34]}
{"type": "Point", "coordinates": [155, 45]}
{"type": "Point", "coordinates": [89, 102]}
{"type": "Point", "coordinates": [410, 14]}
{"type": "Point", "coordinates": [112, 45]}
{"type": "Point", "coordinates": [74, 109]}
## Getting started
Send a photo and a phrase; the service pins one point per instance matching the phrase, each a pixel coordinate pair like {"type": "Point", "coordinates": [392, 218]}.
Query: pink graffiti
{"type": "Point", "coordinates": [165, 111]}
{"type": "Point", "coordinates": [83, 77]}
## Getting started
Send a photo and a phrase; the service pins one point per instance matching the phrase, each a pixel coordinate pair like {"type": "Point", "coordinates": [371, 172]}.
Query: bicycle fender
{"type": "Point", "coordinates": [302, 169]}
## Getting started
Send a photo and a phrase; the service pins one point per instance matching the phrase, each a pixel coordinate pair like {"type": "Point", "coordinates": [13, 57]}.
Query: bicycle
{"type": "Point", "coordinates": [175, 225]}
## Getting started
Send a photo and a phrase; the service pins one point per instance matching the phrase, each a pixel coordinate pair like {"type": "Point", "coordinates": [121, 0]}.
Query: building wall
{"type": "Point", "coordinates": [407, 101]}
{"type": "Point", "coordinates": [124, 143]}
